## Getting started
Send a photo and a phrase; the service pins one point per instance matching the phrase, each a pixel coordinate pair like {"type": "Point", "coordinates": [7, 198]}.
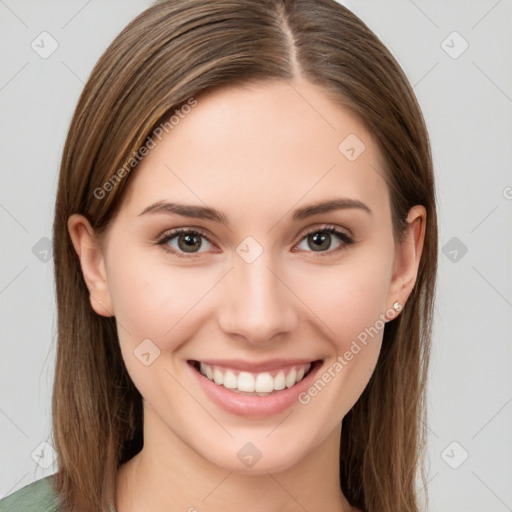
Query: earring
{"type": "Point", "coordinates": [397, 306]}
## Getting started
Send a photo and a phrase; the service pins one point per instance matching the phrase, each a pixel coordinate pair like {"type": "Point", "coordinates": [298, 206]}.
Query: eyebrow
{"type": "Point", "coordinates": [207, 213]}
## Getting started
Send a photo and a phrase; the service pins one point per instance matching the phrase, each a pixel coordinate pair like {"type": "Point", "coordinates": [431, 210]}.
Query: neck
{"type": "Point", "coordinates": [168, 475]}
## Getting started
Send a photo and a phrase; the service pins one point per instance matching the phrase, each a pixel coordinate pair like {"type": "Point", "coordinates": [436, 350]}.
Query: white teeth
{"type": "Point", "coordinates": [279, 381]}
{"type": "Point", "coordinates": [230, 380]}
{"type": "Point", "coordinates": [218, 378]}
{"type": "Point", "coordinates": [260, 384]}
{"type": "Point", "coordinates": [291, 378]}
{"type": "Point", "coordinates": [264, 383]}
{"type": "Point", "coordinates": [245, 382]}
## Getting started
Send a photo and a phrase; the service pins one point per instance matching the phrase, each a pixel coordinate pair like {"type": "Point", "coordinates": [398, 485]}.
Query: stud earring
{"type": "Point", "coordinates": [397, 306]}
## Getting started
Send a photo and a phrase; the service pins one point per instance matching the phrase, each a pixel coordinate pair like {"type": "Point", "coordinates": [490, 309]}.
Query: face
{"type": "Point", "coordinates": [251, 269]}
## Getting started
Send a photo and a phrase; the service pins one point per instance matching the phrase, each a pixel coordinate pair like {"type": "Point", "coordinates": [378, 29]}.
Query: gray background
{"type": "Point", "coordinates": [467, 101]}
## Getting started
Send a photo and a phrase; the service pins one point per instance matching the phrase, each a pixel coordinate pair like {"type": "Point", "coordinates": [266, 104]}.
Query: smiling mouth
{"type": "Point", "coordinates": [254, 383]}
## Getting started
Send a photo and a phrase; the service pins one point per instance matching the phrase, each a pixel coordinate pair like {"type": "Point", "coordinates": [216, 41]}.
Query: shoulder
{"type": "Point", "coordinates": [38, 496]}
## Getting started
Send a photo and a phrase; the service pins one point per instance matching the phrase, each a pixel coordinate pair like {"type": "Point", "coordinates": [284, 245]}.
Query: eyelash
{"type": "Point", "coordinates": [169, 235]}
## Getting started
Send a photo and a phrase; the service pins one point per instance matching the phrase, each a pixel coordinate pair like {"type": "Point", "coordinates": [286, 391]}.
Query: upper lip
{"type": "Point", "coordinates": [251, 366]}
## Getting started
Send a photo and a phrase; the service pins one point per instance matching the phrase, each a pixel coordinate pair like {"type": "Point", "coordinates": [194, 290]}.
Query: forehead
{"type": "Point", "coordinates": [254, 146]}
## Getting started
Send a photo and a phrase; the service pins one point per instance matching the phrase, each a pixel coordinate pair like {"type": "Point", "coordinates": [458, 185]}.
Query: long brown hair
{"type": "Point", "coordinates": [170, 53]}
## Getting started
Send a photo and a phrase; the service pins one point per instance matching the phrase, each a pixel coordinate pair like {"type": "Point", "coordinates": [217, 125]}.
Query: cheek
{"type": "Point", "coordinates": [159, 303]}
{"type": "Point", "coordinates": [152, 299]}
{"type": "Point", "coordinates": [349, 297]}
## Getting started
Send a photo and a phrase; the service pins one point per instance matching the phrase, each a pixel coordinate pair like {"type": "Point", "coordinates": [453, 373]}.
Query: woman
{"type": "Point", "coordinates": [245, 254]}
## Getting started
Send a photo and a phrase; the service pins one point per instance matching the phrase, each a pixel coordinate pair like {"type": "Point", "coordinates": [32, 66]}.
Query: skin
{"type": "Point", "coordinates": [255, 153]}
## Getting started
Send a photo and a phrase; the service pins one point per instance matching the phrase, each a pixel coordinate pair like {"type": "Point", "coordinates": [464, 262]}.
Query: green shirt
{"type": "Point", "coordinates": [35, 497]}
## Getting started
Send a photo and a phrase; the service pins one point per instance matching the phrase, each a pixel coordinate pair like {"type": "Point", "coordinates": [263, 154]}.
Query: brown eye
{"type": "Point", "coordinates": [189, 242]}
{"type": "Point", "coordinates": [321, 240]}
{"type": "Point", "coordinates": [184, 241]}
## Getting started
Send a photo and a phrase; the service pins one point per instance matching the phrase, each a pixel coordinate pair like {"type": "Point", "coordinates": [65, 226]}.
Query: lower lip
{"type": "Point", "coordinates": [255, 406]}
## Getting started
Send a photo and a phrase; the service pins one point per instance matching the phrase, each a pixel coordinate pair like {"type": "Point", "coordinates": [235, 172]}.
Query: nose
{"type": "Point", "coordinates": [256, 302]}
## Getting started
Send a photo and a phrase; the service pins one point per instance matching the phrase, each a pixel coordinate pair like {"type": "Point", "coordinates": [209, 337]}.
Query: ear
{"type": "Point", "coordinates": [407, 257]}
{"type": "Point", "coordinates": [92, 263]}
